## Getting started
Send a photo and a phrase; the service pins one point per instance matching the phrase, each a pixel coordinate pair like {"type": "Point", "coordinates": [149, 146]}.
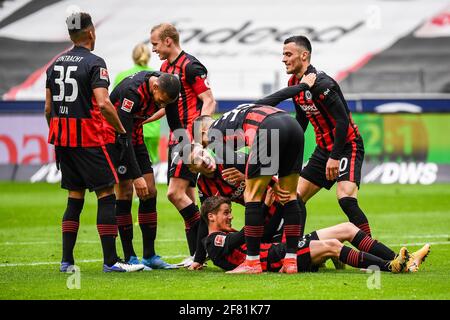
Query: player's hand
{"type": "Point", "coordinates": [233, 176]}
{"type": "Point", "coordinates": [196, 266]}
{"type": "Point", "coordinates": [141, 188]}
{"type": "Point", "coordinates": [309, 79]}
{"type": "Point", "coordinates": [282, 195]}
{"type": "Point", "coordinates": [122, 144]}
{"type": "Point", "coordinates": [270, 197]}
{"type": "Point", "coordinates": [332, 169]}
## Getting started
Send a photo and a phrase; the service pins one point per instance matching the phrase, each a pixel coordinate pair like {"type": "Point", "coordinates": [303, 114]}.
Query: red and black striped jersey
{"type": "Point", "coordinates": [241, 123]}
{"type": "Point", "coordinates": [325, 107]}
{"type": "Point", "coordinates": [134, 103]}
{"type": "Point", "coordinates": [193, 78]}
{"type": "Point", "coordinates": [228, 250]}
{"type": "Point", "coordinates": [218, 186]}
{"type": "Point", "coordinates": [75, 119]}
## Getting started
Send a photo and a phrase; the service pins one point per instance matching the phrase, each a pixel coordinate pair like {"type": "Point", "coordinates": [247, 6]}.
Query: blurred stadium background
{"type": "Point", "coordinates": [391, 57]}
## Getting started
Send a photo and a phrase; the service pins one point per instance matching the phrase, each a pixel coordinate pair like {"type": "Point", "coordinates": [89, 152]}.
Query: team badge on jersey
{"type": "Point", "coordinates": [301, 244]}
{"type": "Point", "coordinates": [127, 105]}
{"type": "Point", "coordinates": [219, 240]}
{"type": "Point", "coordinates": [205, 80]}
{"type": "Point", "coordinates": [122, 169]}
{"type": "Point", "coordinates": [104, 74]}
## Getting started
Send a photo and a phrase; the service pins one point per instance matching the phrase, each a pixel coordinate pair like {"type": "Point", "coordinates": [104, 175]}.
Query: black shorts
{"type": "Point", "coordinates": [349, 170]}
{"type": "Point", "coordinates": [177, 168]}
{"type": "Point", "coordinates": [304, 262]}
{"type": "Point", "coordinates": [90, 168]}
{"type": "Point", "coordinates": [143, 160]}
{"type": "Point", "coordinates": [272, 154]}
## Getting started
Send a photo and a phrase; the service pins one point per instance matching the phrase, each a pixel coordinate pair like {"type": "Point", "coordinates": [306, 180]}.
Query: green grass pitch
{"type": "Point", "coordinates": [30, 250]}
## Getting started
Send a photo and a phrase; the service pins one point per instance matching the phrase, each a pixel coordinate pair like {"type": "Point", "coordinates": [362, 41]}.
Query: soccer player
{"type": "Point", "coordinates": [141, 56]}
{"type": "Point", "coordinates": [196, 99]}
{"type": "Point", "coordinates": [76, 106]}
{"type": "Point", "coordinates": [260, 127]}
{"type": "Point", "coordinates": [339, 152]}
{"type": "Point", "coordinates": [226, 246]}
{"type": "Point", "coordinates": [216, 179]}
{"type": "Point", "coordinates": [136, 98]}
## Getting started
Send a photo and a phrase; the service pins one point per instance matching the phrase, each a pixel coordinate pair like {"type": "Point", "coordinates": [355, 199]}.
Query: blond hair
{"type": "Point", "coordinates": [167, 30]}
{"type": "Point", "coordinates": [141, 54]}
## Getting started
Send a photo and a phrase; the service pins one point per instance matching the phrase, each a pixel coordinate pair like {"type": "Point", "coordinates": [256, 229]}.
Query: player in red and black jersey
{"type": "Point", "coordinates": [136, 98]}
{"type": "Point", "coordinates": [275, 141]}
{"type": "Point", "coordinates": [196, 99]}
{"type": "Point", "coordinates": [76, 106]}
{"type": "Point", "coordinates": [340, 150]}
{"type": "Point", "coordinates": [218, 180]}
{"type": "Point", "coordinates": [227, 249]}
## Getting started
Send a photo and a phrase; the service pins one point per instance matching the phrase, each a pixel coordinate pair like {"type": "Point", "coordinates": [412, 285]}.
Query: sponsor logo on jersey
{"type": "Point", "coordinates": [238, 192]}
{"type": "Point", "coordinates": [104, 74]}
{"type": "Point", "coordinates": [309, 108]}
{"type": "Point", "coordinates": [127, 105]}
{"type": "Point", "coordinates": [219, 240]}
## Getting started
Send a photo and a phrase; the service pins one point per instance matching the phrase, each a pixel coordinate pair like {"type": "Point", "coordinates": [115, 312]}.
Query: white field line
{"type": "Point", "coordinates": [26, 243]}
{"type": "Point", "coordinates": [183, 256]}
{"type": "Point", "coordinates": [416, 236]}
{"type": "Point", "coordinates": [58, 262]}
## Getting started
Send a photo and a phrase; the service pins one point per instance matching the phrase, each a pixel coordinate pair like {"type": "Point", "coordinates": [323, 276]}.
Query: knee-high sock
{"type": "Point", "coordinates": [107, 228]}
{"type": "Point", "coordinates": [302, 216]}
{"type": "Point", "coordinates": [191, 216]}
{"type": "Point", "coordinates": [360, 259]}
{"type": "Point", "coordinates": [354, 213]}
{"type": "Point", "coordinates": [292, 227]}
{"type": "Point", "coordinates": [254, 227]}
{"type": "Point", "coordinates": [200, 252]}
{"type": "Point", "coordinates": [148, 222]}
{"type": "Point", "coordinates": [365, 243]}
{"type": "Point", "coordinates": [125, 225]}
{"type": "Point", "coordinates": [70, 224]}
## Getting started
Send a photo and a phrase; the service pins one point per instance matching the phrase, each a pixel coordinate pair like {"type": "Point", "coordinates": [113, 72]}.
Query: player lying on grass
{"type": "Point", "coordinates": [275, 141]}
{"type": "Point", "coordinates": [219, 179]}
{"type": "Point", "coordinates": [226, 246]}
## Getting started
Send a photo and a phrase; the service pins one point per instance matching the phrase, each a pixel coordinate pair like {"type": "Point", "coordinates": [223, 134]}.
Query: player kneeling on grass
{"type": "Point", "coordinates": [226, 246]}
{"type": "Point", "coordinates": [136, 98]}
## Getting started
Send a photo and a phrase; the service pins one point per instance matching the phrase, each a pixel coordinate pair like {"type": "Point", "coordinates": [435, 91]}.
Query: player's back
{"type": "Point", "coordinates": [76, 120]}
{"type": "Point", "coordinates": [136, 83]}
{"type": "Point", "coordinates": [242, 122]}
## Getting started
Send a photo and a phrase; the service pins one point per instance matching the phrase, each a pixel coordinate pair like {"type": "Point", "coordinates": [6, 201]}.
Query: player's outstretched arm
{"type": "Point", "coordinates": [107, 109]}
{"type": "Point", "coordinates": [156, 116]}
{"type": "Point", "coordinates": [289, 92]}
